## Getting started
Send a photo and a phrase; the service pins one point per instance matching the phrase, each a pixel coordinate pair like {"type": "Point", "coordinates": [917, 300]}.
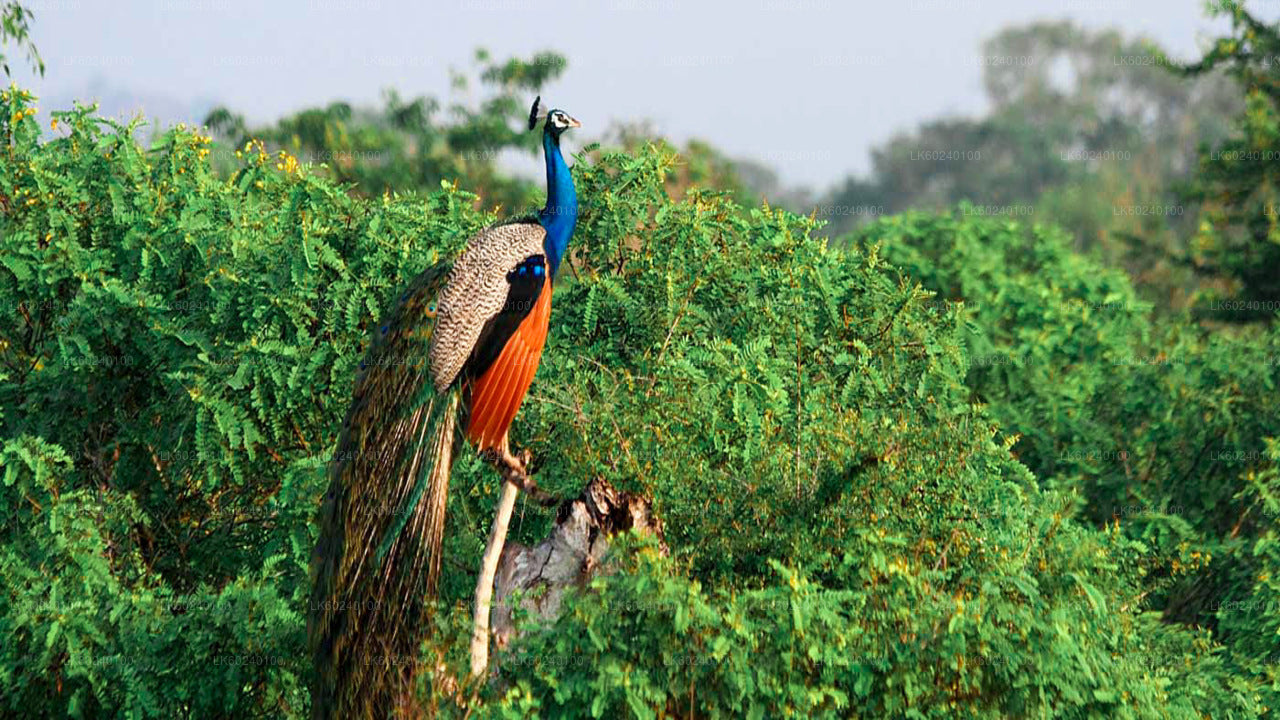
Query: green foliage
{"type": "Point", "coordinates": [1046, 325]}
{"type": "Point", "coordinates": [177, 351]}
{"type": "Point", "coordinates": [701, 165]}
{"type": "Point", "coordinates": [879, 635]}
{"type": "Point", "coordinates": [850, 532]}
{"type": "Point", "coordinates": [1161, 427]}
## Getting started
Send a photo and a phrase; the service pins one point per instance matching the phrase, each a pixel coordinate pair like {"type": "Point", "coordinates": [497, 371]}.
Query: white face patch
{"type": "Point", "coordinates": [559, 120]}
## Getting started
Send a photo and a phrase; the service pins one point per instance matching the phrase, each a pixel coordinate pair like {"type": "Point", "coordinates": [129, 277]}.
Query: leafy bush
{"type": "Point", "coordinates": [1162, 426]}
{"type": "Point", "coordinates": [850, 532]}
{"type": "Point", "coordinates": [181, 352]}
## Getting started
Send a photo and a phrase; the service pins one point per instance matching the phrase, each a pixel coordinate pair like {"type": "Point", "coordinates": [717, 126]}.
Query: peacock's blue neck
{"type": "Point", "coordinates": [561, 213]}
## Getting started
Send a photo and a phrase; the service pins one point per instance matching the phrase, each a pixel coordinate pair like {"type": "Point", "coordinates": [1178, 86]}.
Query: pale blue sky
{"type": "Point", "coordinates": [807, 86]}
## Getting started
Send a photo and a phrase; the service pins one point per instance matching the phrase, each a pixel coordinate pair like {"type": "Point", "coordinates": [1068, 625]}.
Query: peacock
{"type": "Point", "coordinates": [452, 360]}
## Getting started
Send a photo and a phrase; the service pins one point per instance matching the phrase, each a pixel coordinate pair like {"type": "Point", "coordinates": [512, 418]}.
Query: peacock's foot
{"type": "Point", "coordinates": [519, 463]}
{"type": "Point", "coordinates": [509, 463]}
{"type": "Point", "coordinates": [514, 468]}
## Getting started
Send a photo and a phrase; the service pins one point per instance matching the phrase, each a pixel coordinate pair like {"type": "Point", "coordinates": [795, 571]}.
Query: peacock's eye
{"type": "Point", "coordinates": [431, 310]}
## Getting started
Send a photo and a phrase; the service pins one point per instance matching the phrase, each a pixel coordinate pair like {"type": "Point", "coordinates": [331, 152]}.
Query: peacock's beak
{"type": "Point", "coordinates": [573, 123]}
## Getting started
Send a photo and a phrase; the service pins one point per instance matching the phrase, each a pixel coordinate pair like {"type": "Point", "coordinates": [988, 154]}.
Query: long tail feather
{"type": "Point", "coordinates": [377, 562]}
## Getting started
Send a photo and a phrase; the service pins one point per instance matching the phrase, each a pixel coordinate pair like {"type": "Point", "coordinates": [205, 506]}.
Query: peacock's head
{"type": "Point", "coordinates": [557, 120]}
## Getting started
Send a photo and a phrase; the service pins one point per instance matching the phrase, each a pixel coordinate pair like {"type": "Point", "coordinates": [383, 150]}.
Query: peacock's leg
{"type": "Point", "coordinates": [514, 469]}
{"type": "Point", "coordinates": [484, 583]}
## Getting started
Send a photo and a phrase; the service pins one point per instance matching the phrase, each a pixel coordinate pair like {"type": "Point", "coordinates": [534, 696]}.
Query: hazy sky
{"type": "Point", "coordinates": [807, 86]}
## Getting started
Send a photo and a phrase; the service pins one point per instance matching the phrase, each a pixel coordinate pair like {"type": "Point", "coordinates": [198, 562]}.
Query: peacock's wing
{"type": "Point", "coordinates": [506, 356]}
{"type": "Point", "coordinates": [502, 282]}
{"type": "Point", "coordinates": [479, 289]}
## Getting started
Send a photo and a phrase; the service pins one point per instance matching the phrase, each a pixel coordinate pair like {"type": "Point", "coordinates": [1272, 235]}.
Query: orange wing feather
{"type": "Point", "coordinates": [487, 393]}
{"type": "Point", "coordinates": [496, 395]}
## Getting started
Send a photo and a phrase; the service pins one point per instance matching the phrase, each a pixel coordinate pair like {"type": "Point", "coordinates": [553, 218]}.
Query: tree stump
{"type": "Point", "coordinates": [570, 556]}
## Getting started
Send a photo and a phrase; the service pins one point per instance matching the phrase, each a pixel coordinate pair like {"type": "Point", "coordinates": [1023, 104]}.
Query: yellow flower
{"type": "Point", "coordinates": [53, 124]}
{"type": "Point", "coordinates": [288, 163]}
